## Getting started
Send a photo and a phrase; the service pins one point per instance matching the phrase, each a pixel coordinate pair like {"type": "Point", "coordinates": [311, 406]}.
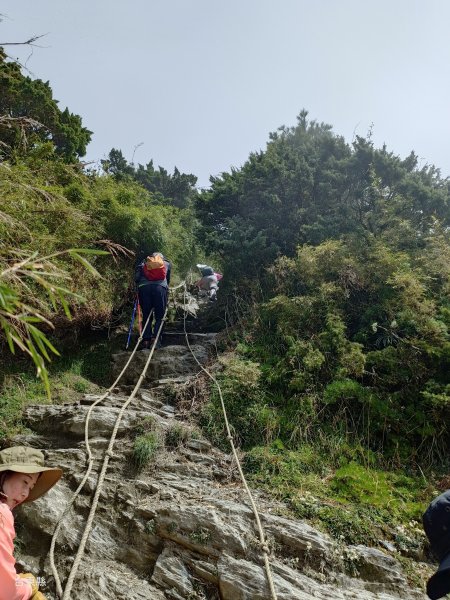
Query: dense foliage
{"type": "Point", "coordinates": [29, 115]}
{"type": "Point", "coordinates": [64, 209]}
{"type": "Point", "coordinates": [351, 248]}
{"type": "Point", "coordinates": [177, 189]}
{"type": "Point", "coordinates": [361, 333]}
{"type": "Point", "coordinates": [51, 209]}
{"type": "Point", "coordinates": [309, 186]}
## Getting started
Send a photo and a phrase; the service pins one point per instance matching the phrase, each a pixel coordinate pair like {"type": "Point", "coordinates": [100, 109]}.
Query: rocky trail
{"type": "Point", "coordinates": [181, 527]}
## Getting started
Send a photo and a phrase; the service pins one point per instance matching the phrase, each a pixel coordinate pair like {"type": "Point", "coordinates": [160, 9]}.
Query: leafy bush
{"type": "Point", "coordinates": [252, 420]}
{"type": "Point", "coordinates": [364, 346]}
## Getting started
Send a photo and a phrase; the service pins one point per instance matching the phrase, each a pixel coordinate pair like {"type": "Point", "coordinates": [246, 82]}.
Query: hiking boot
{"type": "Point", "coordinates": [146, 345]}
{"type": "Point", "coordinates": [158, 344]}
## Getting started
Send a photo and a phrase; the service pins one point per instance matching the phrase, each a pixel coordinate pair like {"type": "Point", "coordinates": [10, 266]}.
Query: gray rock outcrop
{"type": "Point", "coordinates": [180, 528]}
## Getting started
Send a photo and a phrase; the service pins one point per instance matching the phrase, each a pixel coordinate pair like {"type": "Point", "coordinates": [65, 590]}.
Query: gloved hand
{"type": "Point", "coordinates": [38, 596]}
{"type": "Point", "coordinates": [31, 579]}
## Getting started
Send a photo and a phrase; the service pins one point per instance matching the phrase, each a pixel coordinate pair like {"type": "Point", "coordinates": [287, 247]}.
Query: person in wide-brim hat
{"type": "Point", "coordinates": [21, 459]}
{"type": "Point", "coordinates": [23, 478]}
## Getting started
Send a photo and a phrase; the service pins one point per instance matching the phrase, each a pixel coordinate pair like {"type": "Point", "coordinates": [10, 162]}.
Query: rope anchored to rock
{"type": "Point", "coordinates": [262, 538]}
{"type": "Point", "coordinates": [65, 595]}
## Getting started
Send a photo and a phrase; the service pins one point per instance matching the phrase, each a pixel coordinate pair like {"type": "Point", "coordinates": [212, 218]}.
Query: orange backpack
{"type": "Point", "coordinates": [154, 268]}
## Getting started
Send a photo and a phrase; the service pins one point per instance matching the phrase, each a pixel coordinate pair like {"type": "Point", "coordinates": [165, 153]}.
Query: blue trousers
{"type": "Point", "coordinates": [152, 296]}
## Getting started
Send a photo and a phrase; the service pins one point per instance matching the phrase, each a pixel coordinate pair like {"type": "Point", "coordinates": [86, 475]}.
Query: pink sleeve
{"type": "Point", "coordinates": [10, 587]}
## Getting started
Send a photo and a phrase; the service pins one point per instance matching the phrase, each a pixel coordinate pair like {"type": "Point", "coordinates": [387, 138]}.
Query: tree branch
{"type": "Point", "coordinates": [29, 42]}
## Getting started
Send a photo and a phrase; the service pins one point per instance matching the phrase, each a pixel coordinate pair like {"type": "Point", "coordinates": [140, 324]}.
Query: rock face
{"type": "Point", "coordinates": [172, 361]}
{"type": "Point", "coordinates": [180, 528]}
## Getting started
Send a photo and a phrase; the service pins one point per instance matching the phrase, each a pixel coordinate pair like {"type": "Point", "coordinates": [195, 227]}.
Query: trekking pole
{"type": "Point", "coordinates": [139, 316]}
{"type": "Point", "coordinates": [136, 303]}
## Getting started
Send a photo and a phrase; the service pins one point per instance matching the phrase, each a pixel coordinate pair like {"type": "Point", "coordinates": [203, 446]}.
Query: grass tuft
{"type": "Point", "coordinates": [145, 449]}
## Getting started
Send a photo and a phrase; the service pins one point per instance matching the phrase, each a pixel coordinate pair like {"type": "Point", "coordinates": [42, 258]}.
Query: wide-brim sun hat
{"type": "Point", "coordinates": [22, 459]}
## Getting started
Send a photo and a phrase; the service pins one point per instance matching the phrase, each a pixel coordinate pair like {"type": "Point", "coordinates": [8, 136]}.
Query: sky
{"type": "Point", "coordinates": [200, 84]}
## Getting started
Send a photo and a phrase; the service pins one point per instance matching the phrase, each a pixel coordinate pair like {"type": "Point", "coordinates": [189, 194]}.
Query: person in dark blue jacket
{"type": "Point", "coordinates": [436, 523]}
{"type": "Point", "coordinates": [152, 279]}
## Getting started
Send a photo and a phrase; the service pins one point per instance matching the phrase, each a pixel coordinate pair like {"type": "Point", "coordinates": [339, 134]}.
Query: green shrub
{"type": "Point", "coordinates": [356, 483]}
{"type": "Point", "coordinates": [349, 526]}
{"type": "Point", "coordinates": [252, 419]}
{"type": "Point", "coordinates": [150, 526]}
{"type": "Point", "coordinates": [200, 536]}
{"type": "Point", "coordinates": [345, 390]}
{"type": "Point", "coordinates": [145, 448]}
{"type": "Point", "coordinates": [176, 435]}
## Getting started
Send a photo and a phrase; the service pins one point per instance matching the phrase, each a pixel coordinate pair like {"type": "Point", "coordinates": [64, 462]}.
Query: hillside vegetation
{"type": "Point", "coordinates": [336, 259]}
{"type": "Point", "coordinates": [70, 236]}
{"type": "Point", "coordinates": [346, 250]}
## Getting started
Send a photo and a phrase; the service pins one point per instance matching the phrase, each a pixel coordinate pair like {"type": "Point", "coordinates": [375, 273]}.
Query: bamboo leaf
{"type": "Point", "coordinates": [65, 305]}
{"type": "Point", "coordinates": [41, 370]}
{"type": "Point", "coordinates": [87, 251]}
{"type": "Point", "coordinates": [86, 264]}
{"type": "Point", "coordinates": [36, 337]}
{"type": "Point", "coordinates": [30, 319]}
{"type": "Point", "coordinates": [9, 338]}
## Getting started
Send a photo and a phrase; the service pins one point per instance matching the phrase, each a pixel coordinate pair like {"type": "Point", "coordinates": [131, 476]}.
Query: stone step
{"type": "Point", "coordinates": [167, 414]}
{"type": "Point", "coordinates": [116, 400]}
{"type": "Point", "coordinates": [146, 400]}
{"type": "Point", "coordinates": [195, 457]}
{"type": "Point", "coordinates": [68, 420]}
{"type": "Point", "coordinates": [199, 445]}
{"type": "Point", "coordinates": [172, 380]}
{"type": "Point", "coordinates": [179, 337]}
{"type": "Point", "coordinates": [95, 443]}
{"type": "Point", "coordinates": [171, 361]}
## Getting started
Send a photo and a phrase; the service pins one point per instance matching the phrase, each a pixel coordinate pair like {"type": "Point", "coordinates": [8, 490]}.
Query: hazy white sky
{"type": "Point", "coordinates": [202, 82]}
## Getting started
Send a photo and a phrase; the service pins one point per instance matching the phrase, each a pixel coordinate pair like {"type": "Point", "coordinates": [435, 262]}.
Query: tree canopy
{"type": "Point", "coordinates": [350, 245]}
{"type": "Point", "coordinates": [308, 186]}
{"type": "Point", "coordinates": [30, 116]}
{"type": "Point", "coordinates": [177, 189]}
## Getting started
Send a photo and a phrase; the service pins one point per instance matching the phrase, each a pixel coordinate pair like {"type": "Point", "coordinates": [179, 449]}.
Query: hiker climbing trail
{"type": "Point", "coordinates": [176, 527]}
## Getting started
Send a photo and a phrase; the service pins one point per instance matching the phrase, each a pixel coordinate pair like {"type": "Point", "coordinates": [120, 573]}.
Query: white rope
{"type": "Point", "coordinates": [90, 459]}
{"type": "Point", "coordinates": [262, 538]}
{"type": "Point", "coordinates": [108, 455]}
